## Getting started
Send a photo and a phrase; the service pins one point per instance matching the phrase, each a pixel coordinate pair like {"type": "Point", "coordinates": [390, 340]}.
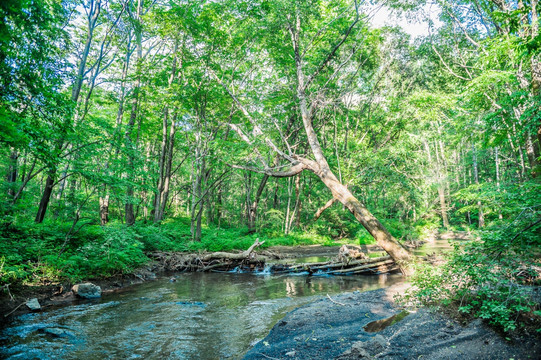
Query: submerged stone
{"type": "Point", "coordinates": [191, 303]}
{"type": "Point", "coordinates": [57, 332]}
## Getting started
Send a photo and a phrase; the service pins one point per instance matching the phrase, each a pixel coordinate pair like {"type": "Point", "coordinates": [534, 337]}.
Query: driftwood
{"type": "Point", "coordinates": [222, 261]}
{"type": "Point", "coordinates": [248, 254]}
{"type": "Point", "coordinates": [375, 265]}
{"type": "Point", "coordinates": [348, 262]}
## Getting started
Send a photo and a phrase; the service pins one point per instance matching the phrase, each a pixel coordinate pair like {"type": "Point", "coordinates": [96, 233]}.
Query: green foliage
{"type": "Point", "coordinates": [30, 253]}
{"type": "Point", "coordinates": [41, 253]}
{"type": "Point", "coordinates": [489, 278]}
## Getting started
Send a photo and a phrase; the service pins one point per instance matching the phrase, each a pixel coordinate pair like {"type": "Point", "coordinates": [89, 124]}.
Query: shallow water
{"type": "Point", "coordinates": [199, 316]}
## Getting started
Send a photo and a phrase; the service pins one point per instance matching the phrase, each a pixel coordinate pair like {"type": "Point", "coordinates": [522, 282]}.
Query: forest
{"type": "Point", "coordinates": [134, 126]}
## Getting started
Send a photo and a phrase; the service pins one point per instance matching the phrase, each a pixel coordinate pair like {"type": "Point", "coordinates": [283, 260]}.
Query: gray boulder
{"type": "Point", "coordinates": [87, 291]}
{"type": "Point", "coordinates": [33, 304]}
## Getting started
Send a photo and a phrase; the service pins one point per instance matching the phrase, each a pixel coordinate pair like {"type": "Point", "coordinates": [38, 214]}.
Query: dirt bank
{"type": "Point", "coordinates": [59, 294]}
{"type": "Point", "coordinates": [332, 328]}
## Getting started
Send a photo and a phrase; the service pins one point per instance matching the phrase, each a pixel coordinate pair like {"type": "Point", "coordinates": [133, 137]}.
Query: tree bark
{"type": "Point", "coordinates": [252, 213]}
{"type": "Point", "coordinates": [382, 236]}
{"type": "Point", "coordinates": [42, 208]}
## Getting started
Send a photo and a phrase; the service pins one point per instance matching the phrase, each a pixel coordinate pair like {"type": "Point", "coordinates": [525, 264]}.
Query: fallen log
{"type": "Point", "coordinates": [250, 261]}
{"type": "Point", "coordinates": [353, 263]}
{"type": "Point", "coordinates": [233, 256]}
{"type": "Point", "coordinates": [380, 265]}
{"type": "Point", "coordinates": [363, 267]}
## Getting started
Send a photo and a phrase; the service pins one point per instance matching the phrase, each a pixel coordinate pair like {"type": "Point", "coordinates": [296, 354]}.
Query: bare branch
{"type": "Point", "coordinates": [294, 170]}
{"type": "Point", "coordinates": [257, 128]}
{"type": "Point", "coordinates": [323, 208]}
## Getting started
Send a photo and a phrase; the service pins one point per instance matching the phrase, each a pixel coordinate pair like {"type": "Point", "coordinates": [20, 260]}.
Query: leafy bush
{"type": "Point", "coordinates": [488, 278]}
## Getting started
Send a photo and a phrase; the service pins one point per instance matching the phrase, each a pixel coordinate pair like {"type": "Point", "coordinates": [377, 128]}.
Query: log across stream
{"type": "Point", "coordinates": [348, 260]}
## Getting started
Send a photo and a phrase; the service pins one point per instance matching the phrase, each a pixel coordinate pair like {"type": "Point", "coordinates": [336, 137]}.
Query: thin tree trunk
{"type": "Point", "coordinates": [12, 173]}
{"type": "Point", "coordinates": [481, 220]}
{"type": "Point", "coordinates": [443, 206]}
{"type": "Point", "coordinates": [104, 209]}
{"type": "Point", "coordinates": [47, 191]}
{"type": "Point", "coordinates": [497, 160]}
{"type": "Point", "coordinates": [440, 166]}
{"type": "Point", "coordinates": [130, 146]}
{"type": "Point", "coordinates": [164, 193]}
{"type": "Point", "coordinates": [298, 204]}
{"type": "Point", "coordinates": [286, 220]}
{"type": "Point", "coordinates": [253, 208]}
{"type": "Point", "coordinates": [104, 199]}
{"type": "Point", "coordinates": [531, 153]}
{"type": "Point", "coordinates": [166, 153]}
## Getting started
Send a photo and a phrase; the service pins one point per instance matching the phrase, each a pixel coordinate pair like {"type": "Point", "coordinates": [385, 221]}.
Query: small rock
{"type": "Point", "coordinates": [357, 351]}
{"type": "Point", "coordinates": [87, 290]}
{"type": "Point", "coordinates": [33, 304]}
{"type": "Point", "coordinates": [375, 345]}
{"type": "Point", "coordinates": [57, 332]}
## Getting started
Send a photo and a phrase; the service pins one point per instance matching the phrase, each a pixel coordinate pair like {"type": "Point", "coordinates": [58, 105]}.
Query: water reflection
{"type": "Point", "coordinates": [201, 315]}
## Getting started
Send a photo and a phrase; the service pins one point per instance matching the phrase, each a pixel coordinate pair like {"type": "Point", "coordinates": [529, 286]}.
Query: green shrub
{"type": "Point", "coordinates": [486, 278]}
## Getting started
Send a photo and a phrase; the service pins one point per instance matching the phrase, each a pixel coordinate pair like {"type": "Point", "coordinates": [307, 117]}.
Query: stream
{"type": "Point", "coordinates": [198, 316]}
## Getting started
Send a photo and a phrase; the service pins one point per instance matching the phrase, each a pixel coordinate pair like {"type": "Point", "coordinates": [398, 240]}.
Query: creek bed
{"type": "Point", "coordinates": [200, 315]}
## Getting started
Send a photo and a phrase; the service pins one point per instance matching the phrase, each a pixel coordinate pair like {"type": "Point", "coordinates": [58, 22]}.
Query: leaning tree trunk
{"type": "Point", "coordinates": [321, 167]}
{"type": "Point", "coordinates": [382, 236]}
{"type": "Point", "coordinates": [95, 9]}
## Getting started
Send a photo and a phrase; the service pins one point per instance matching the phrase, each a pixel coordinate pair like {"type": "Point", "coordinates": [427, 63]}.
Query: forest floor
{"type": "Point", "coordinates": [334, 328]}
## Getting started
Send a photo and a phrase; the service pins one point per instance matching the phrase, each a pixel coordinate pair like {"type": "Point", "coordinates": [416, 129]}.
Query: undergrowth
{"type": "Point", "coordinates": [491, 278]}
{"type": "Point", "coordinates": [31, 253]}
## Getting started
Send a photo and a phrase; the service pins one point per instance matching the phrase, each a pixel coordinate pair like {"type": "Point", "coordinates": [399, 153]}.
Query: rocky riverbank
{"type": "Point", "coordinates": [361, 326]}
